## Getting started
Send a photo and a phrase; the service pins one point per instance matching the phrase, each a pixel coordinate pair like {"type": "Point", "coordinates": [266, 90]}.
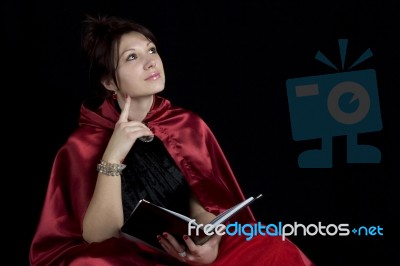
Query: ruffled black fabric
{"type": "Point", "coordinates": [152, 174]}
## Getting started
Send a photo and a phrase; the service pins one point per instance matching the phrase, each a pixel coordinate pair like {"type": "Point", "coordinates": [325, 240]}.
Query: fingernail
{"type": "Point", "coordinates": [159, 237]}
{"type": "Point", "coordinates": [165, 235]}
{"type": "Point", "coordinates": [185, 237]}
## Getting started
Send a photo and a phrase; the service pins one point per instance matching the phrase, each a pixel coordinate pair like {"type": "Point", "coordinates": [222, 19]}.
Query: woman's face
{"type": "Point", "coordinates": [140, 71]}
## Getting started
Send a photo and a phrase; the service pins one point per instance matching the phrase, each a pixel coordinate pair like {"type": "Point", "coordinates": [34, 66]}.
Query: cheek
{"type": "Point", "coordinates": [161, 65]}
{"type": "Point", "coordinates": [127, 76]}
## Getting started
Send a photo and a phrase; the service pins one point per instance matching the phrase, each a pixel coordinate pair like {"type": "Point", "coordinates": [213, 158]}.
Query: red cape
{"type": "Point", "coordinates": [58, 238]}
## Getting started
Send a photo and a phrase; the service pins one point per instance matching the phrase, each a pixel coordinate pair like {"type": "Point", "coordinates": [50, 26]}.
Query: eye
{"type": "Point", "coordinates": [153, 50]}
{"type": "Point", "coordinates": [131, 57]}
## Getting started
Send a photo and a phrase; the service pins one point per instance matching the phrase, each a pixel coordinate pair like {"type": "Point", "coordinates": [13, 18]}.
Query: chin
{"type": "Point", "coordinates": [159, 89]}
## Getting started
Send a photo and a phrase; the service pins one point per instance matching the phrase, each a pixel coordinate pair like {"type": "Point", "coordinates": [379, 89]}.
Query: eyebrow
{"type": "Point", "coordinates": [133, 49]}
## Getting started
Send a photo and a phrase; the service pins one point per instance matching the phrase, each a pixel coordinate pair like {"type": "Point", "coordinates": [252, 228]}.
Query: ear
{"type": "Point", "coordinates": [109, 84]}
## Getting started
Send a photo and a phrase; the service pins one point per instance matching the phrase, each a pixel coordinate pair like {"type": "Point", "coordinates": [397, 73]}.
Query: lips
{"type": "Point", "coordinates": [153, 76]}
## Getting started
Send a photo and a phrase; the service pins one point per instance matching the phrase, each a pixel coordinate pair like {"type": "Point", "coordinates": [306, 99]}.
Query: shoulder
{"type": "Point", "coordinates": [166, 111]}
{"type": "Point", "coordinates": [84, 141]}
{"type": "Point", "coordinates": [184, 121]}
{"type": "Point", "coordinates": [189, 117]}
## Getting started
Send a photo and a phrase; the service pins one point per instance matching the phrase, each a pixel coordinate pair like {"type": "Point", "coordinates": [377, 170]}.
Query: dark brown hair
{"type": "Point", "coordinates": [100, 39]}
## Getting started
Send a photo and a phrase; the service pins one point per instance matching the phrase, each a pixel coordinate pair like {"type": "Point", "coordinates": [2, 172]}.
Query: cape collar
{"type": "Point", "coordinates": [102, 113]}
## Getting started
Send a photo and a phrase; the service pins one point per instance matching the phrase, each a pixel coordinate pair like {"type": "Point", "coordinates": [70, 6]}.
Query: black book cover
{"type": "Point", "coordinates": [148, 220]}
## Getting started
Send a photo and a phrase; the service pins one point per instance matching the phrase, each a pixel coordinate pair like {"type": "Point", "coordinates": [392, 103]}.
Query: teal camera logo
{"type": "Point", "coordinates": [340, 104]}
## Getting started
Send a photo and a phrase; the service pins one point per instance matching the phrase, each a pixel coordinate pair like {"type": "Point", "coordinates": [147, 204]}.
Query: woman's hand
{"type": "Point", "coordinates": [191, 253]}
{"type": "Point", "coordinates": [124, 136]}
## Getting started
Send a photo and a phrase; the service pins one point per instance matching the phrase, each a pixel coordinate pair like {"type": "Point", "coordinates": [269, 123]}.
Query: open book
{"type": "Point", "coordinates": [148, 220]}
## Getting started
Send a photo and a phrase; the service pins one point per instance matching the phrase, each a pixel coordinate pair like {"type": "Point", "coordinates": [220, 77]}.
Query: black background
{"type": "Point", "coordinates": [228, 61]}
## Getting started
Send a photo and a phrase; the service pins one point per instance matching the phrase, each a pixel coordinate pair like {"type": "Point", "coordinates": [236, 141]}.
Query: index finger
{"type": "Point", "coordinates": [125, 111]}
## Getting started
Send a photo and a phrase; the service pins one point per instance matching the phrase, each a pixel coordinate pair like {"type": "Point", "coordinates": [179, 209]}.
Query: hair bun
{"type": "Point", "coordinates": [96, 30]}
{"type": "Point", "coordinates": [100, 26]}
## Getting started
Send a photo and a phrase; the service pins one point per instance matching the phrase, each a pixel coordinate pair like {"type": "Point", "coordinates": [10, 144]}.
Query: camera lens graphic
{"type": "Point", "coordinates": [359, 93]}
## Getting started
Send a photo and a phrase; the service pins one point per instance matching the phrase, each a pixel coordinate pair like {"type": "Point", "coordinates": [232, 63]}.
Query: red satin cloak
{"type": "Point", "coordinates": [58, 238]}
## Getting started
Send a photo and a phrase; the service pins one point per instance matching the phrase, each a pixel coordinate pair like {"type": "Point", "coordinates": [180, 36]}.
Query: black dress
{"type": "Point", "coordinates": [152, 174]}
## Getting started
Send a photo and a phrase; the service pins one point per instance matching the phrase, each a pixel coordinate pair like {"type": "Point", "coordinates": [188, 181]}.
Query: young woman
{"type": "Point", "coordinates": [133, 144]}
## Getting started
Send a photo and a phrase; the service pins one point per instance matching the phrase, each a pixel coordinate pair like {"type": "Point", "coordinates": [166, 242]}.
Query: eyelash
{"type": "Point", "coordinates": [153, 50]}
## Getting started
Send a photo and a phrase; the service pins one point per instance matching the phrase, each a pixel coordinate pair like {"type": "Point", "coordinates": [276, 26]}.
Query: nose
{"type": "Point", "coordinates": [150, 63]}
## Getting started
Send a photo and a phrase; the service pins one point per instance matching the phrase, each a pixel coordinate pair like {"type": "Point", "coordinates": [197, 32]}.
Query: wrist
{"type": "Point", "coordinates": [111, 159]}
{"type": "Point", "coordinates": [110, 169]}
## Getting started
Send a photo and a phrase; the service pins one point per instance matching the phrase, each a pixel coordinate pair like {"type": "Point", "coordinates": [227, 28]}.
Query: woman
{"type": "Point", "coordinates": [142, 146]}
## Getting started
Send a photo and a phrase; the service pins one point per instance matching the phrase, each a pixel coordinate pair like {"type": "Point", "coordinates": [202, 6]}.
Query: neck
{"type": "Point", "coordinates": [139, 107]}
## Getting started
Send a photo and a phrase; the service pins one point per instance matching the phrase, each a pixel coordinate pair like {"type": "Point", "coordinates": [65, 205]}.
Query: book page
{"type": "Point", "coordinates": [223, 217]}
{"type": "Point", "coordinates": [183, 217]}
